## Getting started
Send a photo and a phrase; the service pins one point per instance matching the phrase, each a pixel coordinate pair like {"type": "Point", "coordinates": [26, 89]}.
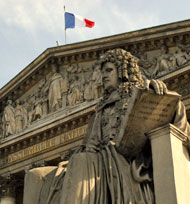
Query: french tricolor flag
{"type": "Point", "coordinates": [73, 20]}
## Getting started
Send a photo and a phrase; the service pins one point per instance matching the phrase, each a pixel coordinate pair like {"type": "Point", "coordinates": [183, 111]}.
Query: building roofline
{"type": "Point", "coordinates": [49, 52]}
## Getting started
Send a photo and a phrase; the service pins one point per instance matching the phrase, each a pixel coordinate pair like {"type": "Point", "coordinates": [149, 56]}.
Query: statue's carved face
{"type": "Point", "coordinates": [54, 69]}
{"type": "Point", "coordinates": [9, 102]}
{"type": "Point", "coordinates": [110, 76]}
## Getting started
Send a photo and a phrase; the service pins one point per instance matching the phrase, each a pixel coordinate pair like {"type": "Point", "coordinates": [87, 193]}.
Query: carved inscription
{"type": "Point", "coordinates": [154, 110]}
{"type": "Point", "coordinates": [31, 150]}
{"type": "Point", "coordinates": [73, 134]}
{"type": "Point", "coordinates": [48, 144]}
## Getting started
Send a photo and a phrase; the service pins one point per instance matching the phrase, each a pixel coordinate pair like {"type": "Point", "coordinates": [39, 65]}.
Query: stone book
{"type": "Point", "coordinates": [145, 111]}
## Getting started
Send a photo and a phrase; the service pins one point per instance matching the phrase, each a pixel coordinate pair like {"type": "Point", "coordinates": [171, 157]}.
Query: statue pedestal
{"type": "Point", "coordinates": [171, 165]}
{"type": "Point", "coordinates": [7, 200]}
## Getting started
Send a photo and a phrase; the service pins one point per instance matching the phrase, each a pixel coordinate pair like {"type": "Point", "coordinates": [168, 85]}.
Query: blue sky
{"type": "Point", "coordinates": [28, 27]}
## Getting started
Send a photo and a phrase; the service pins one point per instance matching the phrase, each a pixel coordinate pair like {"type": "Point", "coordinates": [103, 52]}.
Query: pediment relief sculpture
{"type": "Point", "coordinates": [98, 172]}
{"type": "Point", "coordinates": [97, 86]}
{"type": "Point", "coordinates": [165, 62]}
{"type": "Point", "coordinates": [69, 85]}
{"type": "Point", "coordinates": [56, 88]}
{"type": "Point", "coordinates": [14, 118]}
{"type": "Point", "coordinates": [8, 119]}
{"type": "Point", "coordinates": [1, 128]}
{"type": "Point", "coordinates": [64, 86]}
{"type": "Point", "coordinates": [182, 55]}
{"type": "Point", "coordinates": [20, 117]}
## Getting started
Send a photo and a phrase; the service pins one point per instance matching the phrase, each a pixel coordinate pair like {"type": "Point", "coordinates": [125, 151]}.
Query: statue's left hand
{"type": "Point", "coordinates": [158, 86]}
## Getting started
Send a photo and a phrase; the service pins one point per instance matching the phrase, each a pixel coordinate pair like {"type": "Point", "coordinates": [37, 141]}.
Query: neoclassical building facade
{"type": "Point", "coordinates": [45, 109]}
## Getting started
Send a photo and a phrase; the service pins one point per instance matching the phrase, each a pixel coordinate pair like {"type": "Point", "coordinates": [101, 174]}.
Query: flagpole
{"type": "Point", "coordinates": [65, 27]}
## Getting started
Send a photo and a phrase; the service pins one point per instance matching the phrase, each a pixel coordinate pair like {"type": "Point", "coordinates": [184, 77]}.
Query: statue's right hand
{"type": "Point", "coordinates": [158, 86]}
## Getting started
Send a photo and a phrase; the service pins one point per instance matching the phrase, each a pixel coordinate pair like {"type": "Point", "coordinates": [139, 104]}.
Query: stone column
{"type": "Point", "coordinates": [171, 165]}
{"type": "Point", "coordinates": [7, 190]}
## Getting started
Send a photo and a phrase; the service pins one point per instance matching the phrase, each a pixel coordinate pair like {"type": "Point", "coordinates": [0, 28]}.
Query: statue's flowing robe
{"type": "Point", "coordinates": [9, 120]}
{"type": "Point", "coordinates": [55, 90]}
{"type": "Point", "coordinates": [19, 118]}
{"type": "Point", "coordinates": [97, 173]}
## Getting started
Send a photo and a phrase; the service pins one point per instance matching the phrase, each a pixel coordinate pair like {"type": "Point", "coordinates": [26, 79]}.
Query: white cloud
{"type": "Point", "coordinates": [31, 15]}
{"type": "Point", "coordinates": [45, 15]}
{"type": "Point", "coordinates": [128, 21]}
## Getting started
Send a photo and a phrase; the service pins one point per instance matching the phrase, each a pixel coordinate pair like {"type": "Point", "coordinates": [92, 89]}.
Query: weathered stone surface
{"type": "Point", "coordinates": [161, 52]}
{"type": "Point", "coordinates": [145, 111]}
{"type": "Point", "coordinates": [171, 165]}
{"type": "Point", "coordinates": [97, 172]}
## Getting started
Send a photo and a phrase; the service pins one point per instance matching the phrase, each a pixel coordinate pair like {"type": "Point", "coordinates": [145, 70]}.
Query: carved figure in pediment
{"type": "Point", "coordinates": [8, 119]}
{"type": "Point", "coordinates": [29, 106]}
{"type": "Point", "coordinates": [25, 113]}
{"type": "Point", "coordinates": [74, 95]}
{"type": "Point", "coordinates": [88, 90]}
{"type": "Point", "coordinates": [56, 87]}
{"type": "Point", "coordinates": [42, 96]}
{"type": "Point", "coordinates": [165, 61]}
{"type": "Point", "coordinates": [38, 112]}
{"type": "Point", "coordinates": [81, 79]}
{"type": "Point", "coordinates": [44, 105]}
{"type": "Point", "coordinates": [181, 56]}
{"type": "Point", "coordinates": [1, 128]}
{"type": "Point", "coordinates": [73, 71]}
{"type": "Point", "coordinates": [146, 65]}
{"type": "Point", "coordinates": [20, 117]}
{"type": "Point", "coordinates": [143, 61]}
{"type": "Point", "coordinates": [97, 82]}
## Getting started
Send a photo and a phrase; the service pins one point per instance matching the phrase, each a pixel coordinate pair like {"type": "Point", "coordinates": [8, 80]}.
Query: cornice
{"type": "Point", "coordinates": [178, 80]}
{"type": "Point", "coordinates": [176, 73]}
{"type": "Point", "coordinates": [168, 129]}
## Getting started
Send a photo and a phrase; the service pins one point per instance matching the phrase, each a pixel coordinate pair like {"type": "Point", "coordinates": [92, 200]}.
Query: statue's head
{"type": "Point", "coordinates": [164, 49]}
{"type": "Point", "coordinates": [17, 102]}
{"type": "Point", "coordinates": [53, 68]}
{"type": "Point", "coordinates": [120, 68]}
{"type": "Point", "coordinates": [180, 48]}
{"type": "Point", "coordinates": [9, 102]}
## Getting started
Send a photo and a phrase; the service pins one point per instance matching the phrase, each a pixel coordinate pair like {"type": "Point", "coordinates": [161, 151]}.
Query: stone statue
{"type": "Point", "coordinates": [97, 172]}
{"type": "Point", "coordinates": [146, 65]}
{"type": "Point", "coordinates": [30, 101]}
{"type": "Point", "coordinates": [25, 112]}
{"type": "Point", "coordinates": [88, 91]}
{"type": "Point", "coordinates": [181, 56]}
{"type": "Point", "coordinates": [43, 95]}
{"type": "Point", "coordinates": [8, 119]}
{"type": "Point", "coordinates": [97, 85]}
{"type": "Point", "coordinates": [1, 128]}
{"type": "Point", "coordinates": [38, 111]}
{"type": "Point", "coordinates": [74, 95]}
{"type": "Point", "coordinates": [56, 88]}
{"type": "Point", "coordinates": [20, 117]}
{"type": "Point", "coordinates": [165, 62]}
